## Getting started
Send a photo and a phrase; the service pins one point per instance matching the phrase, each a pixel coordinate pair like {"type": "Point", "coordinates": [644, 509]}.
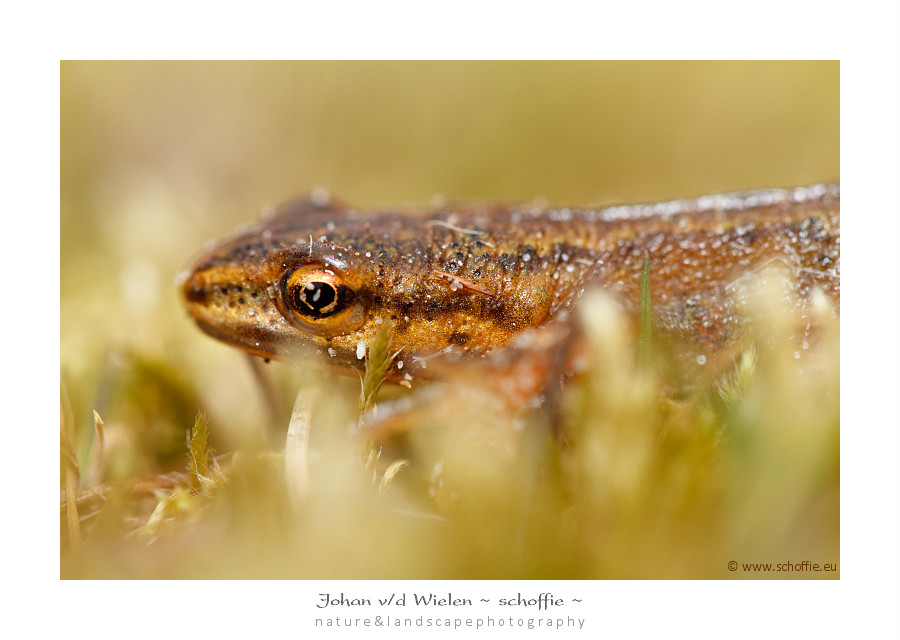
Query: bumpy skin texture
{"type": "Point", "coordinates": [466, 279]}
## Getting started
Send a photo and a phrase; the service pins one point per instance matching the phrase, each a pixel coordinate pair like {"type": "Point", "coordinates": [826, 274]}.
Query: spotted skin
{"type": "Point", "coordinates": [466, 279]}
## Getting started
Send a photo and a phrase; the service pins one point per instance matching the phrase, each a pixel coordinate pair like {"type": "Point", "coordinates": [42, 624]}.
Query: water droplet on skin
{"type": "Point", "coordinates": [701, 360]}
{"type": "Point", "coordinates": [360, 350]}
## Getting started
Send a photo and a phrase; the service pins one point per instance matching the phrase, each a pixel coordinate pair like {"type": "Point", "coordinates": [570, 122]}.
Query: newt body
{"type": "Point", "coordinates": [323, 278]}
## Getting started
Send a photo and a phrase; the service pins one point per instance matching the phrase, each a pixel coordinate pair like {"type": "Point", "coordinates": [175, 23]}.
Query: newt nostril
{"type": "Point", "coordinates": [194, 289]}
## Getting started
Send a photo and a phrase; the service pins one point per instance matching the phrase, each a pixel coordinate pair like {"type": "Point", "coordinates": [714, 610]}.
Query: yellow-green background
{"type": "Point", "coordinates": [158, 158]}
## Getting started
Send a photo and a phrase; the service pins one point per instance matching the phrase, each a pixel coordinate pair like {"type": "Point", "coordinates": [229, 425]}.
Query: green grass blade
{"type": "Point", "coordinates": [645, 341]}
{"type": "Point", "coordinates": [199, 453]}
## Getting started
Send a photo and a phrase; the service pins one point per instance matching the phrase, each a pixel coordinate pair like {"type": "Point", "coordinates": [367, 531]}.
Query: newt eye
{"type": "Point", "coordinates": [317, 299]}
{"type": "Point", "coordinates": [316, 293]}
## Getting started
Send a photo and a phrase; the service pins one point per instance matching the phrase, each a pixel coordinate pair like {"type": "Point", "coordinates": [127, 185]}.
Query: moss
{"type": "Point", "coordinates": [635, 483]}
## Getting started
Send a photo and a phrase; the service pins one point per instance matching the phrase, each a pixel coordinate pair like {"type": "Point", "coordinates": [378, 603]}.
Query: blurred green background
{"type": "Point", "coordinates": [158, 158]}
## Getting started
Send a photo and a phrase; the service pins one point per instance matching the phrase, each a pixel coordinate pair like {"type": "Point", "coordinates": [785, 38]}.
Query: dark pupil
{"type": "Point", "coordinates": [317, 298]}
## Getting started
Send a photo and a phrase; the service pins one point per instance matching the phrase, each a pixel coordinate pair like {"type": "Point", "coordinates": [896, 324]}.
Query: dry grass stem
{"type": "Point", "coordinates": [296, 449]}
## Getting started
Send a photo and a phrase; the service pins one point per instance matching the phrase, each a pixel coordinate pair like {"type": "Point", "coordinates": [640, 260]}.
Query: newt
{"type": "Point", "coordinates": [319, 279]}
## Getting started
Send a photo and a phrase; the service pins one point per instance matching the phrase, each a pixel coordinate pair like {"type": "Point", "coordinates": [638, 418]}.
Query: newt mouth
{"type": "Point", "coordinates": [232, 307]}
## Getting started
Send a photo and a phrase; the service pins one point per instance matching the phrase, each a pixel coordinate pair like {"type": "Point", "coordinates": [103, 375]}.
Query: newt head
{"type": "Point", "coordinates": [286, 287]}
{"type": "Point", "coordinates": [321, 281]}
